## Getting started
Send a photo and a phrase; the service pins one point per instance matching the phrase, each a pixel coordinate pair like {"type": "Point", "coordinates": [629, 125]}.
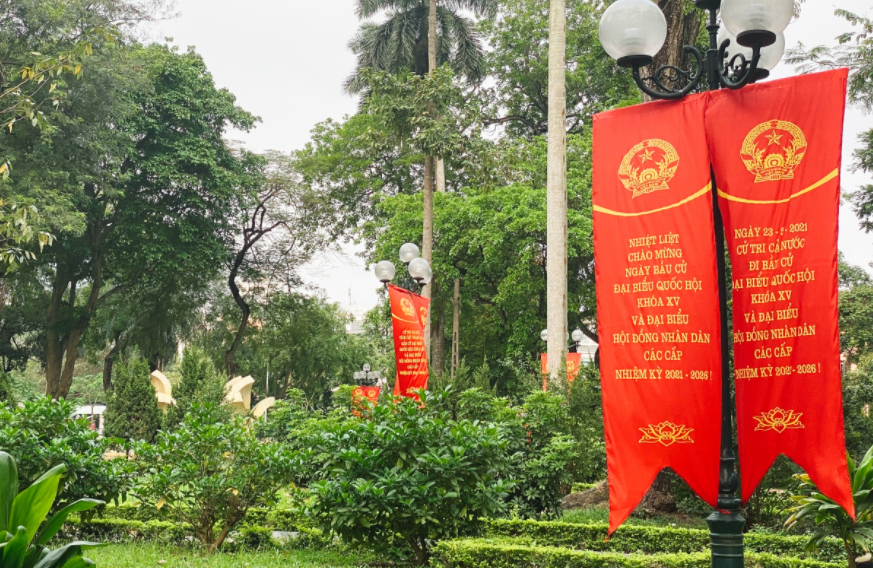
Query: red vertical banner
{"type": "Point", "coordinates": [776, 152]}
{"type": "Point", "coordinates": [574, 365]}
{"type": "Point", "coordinates": [409, 313]}
{"type": "Point", "coordinates": [364, 393]}
{"type": "Point", "coordinates": [657, 299]}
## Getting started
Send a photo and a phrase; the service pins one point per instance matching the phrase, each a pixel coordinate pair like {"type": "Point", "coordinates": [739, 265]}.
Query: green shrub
{"type": "Point", "coordinates": [630, 539]}
{"type": "Point", "coordinates": [209, 473]}
{"type": "Point", "coordinates": [132, 412]}
{"type": "Point", "coordinates": [42, 435]}
{"type": "Point", "coordinates": [484, 553]}
{"type": "Point", "coordinates": [125, 530]}
{"type": "Point", "coordinates": [7, 391]}
{"type": "Point", "coordinates": [408, 475]}
{"type": "Point", "coordinates": [22, 541]}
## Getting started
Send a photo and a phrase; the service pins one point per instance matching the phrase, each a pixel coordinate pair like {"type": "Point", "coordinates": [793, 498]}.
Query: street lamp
{"type": "Point", "coordinates": [749, 46]}
{"type": "Point", "coordinates": [633, 31]}
{"type": "Point", "coordinates": [418, 270]}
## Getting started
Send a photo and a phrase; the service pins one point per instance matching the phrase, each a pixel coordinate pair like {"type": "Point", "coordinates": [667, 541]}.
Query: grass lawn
{"type": "Point", "coordinates": [142, 555]}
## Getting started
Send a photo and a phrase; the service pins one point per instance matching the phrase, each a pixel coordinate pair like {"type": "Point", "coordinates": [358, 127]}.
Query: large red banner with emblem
{"type": "Point", "coordinates": [657, 299]}
{"type": "Point", "coordinates": [776, 152]}
{"type": "Point", "coordinates": [409, 314]}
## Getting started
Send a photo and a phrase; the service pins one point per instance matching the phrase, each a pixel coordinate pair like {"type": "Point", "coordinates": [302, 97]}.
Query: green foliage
{"type": "Point", "coordinates": [42, 435]}
{"type": "Point", "coordinates": [132, 413]}
{"type": "Point", "coordinates": [22, 515]}
{"type": "Point", "coordinates": [7, 390]}
{"type": "Point", "coordinates": [857, 405]}
{"type": "Point", "coordinates": [830, 519]}
{"type": "Point", "coordinates": [518, 63]}
{"type": "Point", "coordinates": [408, 475]}
{"type": "Point", "coordinates": [209, 473]}
{"type": "Point", "coordinates": [476, 553]}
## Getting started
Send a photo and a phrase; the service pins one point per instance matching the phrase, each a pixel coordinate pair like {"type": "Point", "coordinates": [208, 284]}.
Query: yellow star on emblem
{"type": "Point", "coordinates": [774, 138]}
{"type": "Point", "coordinates": [647, 155]}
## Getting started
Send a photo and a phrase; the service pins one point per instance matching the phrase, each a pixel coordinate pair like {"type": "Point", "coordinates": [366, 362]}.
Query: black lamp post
{"type": "Point", "coordinates": [366, 377]}
{"type": "Point", "coordinates": [418, 271]}
{"type": "Point", "coordinates": [744, 51]}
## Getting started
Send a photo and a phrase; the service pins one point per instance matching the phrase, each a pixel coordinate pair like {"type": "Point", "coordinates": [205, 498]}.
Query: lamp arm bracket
{"type": "Point", "coordinates": [736, 72]}
{"type": "Point", "coordinates": [671, 74]}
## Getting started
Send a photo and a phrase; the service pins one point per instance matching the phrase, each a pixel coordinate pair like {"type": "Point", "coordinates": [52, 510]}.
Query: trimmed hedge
{"type": "Point", "coordinates": [631, 539]}
{"type": "Point", "coordinates": [489, 553]}
{"type": "Point", "coordinates": [277, 519]}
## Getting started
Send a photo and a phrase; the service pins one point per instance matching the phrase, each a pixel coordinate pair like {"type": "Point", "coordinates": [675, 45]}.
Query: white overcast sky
{"type": "Point", "coordinates": [286, 61]}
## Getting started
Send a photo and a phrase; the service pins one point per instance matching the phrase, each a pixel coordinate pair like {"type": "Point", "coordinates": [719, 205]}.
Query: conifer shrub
{"type": "Point", "coordinates": [132, 412]}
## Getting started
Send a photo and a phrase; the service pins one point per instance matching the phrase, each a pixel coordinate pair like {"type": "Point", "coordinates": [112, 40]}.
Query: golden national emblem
{"type": "Point", "coordinates": [648, 167]}
{"type": "Point", "coordinates": [773, 150]}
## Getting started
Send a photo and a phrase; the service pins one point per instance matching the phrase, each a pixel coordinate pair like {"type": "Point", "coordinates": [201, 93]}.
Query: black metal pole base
{"type": "Point", "coordinates": [726, 539]}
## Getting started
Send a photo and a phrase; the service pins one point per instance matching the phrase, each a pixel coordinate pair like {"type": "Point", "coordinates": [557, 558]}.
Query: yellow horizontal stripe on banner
{"type": "Point", "coordinates": [403, 320]}
{"type": "Point", "coordinates": [817, 184]}
{"type": "Point", "coordinates": [703, 191]}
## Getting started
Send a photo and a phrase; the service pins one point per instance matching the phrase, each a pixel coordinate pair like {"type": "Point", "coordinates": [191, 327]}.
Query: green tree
{"type": "Point", "coordinates": [7, 392]}
{"type": "Point", "coordinates": [399, 44]}
{"type": "Point", "coordinates": [856, 311]}
{"type": "Point", "coordinates": [153, 192]}
{"type": "Point", "coordinates": [854, 50]}
{"type": "Point", "coordinates": [198, 373]}
{"type": "Point", "coordinates": [132, 413]}
{"type": "Point", "coordinates": [858, 407]}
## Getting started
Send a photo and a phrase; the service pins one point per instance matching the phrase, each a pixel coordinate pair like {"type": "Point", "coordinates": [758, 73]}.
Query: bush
{"type": "Point", "coordinates": [407, 475]}
{"type": "Point", "coordinates": [42, 435]}
{"type": "Point", "coordinates": [22, 514]}
{"type": "Point", "coordinates": [478, 553]}
{"type": "Point", "coordinates": [7, 391]}
{"type": "Point", "coordinates": [209, 473]}
{"type": "Point", "coordinates": [630, 539]}
{"type": "Point", "coordinates": [132, 413]}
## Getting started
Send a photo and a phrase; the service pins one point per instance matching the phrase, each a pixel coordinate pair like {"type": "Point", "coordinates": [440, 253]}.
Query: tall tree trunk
{"type": "Point", "coordinates": [683, 27]}
{"type": "Point", "coordinates": [456, 327]}
{"type": "Point", "coordinates": [109, 363]}
{"type": "Point", "coordinates": [54, 350]}
{"type": "Point", "coordinates": [437, 342]}
{"type": "Point", "coordinates": [229, 363]}
{"type": "Point", "coordinates": [556, 189]}
{"type": "Point", "coordinates": [429, 161]}
{"type": "Point", "coordinates": [440, 175]}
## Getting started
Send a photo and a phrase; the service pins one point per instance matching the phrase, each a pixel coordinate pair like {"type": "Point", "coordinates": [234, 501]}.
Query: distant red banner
{"type": "Point", "coordinates": [409, 314]}
{"type": "Point", "coordinates": [657, 299]}
{"type": "Point", "coordinates": [361, 394]}
{"type": "Point", "coordinates": [776, 151]}
{"type": "Point", "coordinates": [574, 364]}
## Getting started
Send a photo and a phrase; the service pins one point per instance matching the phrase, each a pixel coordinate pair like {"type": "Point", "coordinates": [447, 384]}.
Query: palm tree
{"type": "Point", "coordinates": [400, 43]}
{"type": "Point", "coordinates": [419, 36]}
{"type": "Point", "coordinates": [556, 191]}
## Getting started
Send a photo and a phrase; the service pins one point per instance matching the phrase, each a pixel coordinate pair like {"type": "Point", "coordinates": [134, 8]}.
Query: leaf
{"type": "Point", "coordinates": [58, 558]}
{"type": "Point", "coordinates": [15, 549]}
{"type": "Point", "coordinates": [33, 504]}
{"type": "Point", "coordinates": [58, 519]}
{"type": "Point", "coordinates": [161, 503]}
{"type": "Point", "coordinates": [8, 487]}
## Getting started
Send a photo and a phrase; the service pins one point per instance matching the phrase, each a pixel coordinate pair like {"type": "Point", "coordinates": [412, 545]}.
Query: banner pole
{"type": "Point", "coordinates": [726, 524]}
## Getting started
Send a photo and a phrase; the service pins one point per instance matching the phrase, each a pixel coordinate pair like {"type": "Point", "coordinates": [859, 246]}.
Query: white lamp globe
{"type": "Point", "coordinates": [757, 15]}
{"type": "Point", "coordinates": [419, 269]}
{"type": "Point", "coordinates": [429, 276]}
{"type": "Point", "coordinates": [385, 271]}
{"type": "Point", "coordinates": [770, 55]}
{"type": "Point", "coordinates": [409, 252]}
{"type": "Point", "coordinates": [366, 367]}
{"type": "Point", "coordinates": [577, 335]}
{"type": "Point", "coordinates": [544, 335]}
{"type": "Point", "coordinates": [633, 27]}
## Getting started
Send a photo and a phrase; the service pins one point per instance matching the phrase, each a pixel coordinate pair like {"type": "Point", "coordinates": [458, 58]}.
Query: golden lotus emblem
{"type": "Point", "coordinates": [666, 433]}
{"type": "Point", "coordinates": [773, 150]}
{"type": "Point", "coordinates": [407, 308]}
{"type": "Point", "coordinates": [372, 393]}
{"type": "Point", "coordinates": [423, 316]}
{"type": "Point", "coordinates": [648, 167]}
{"type": "Point", "coordinates": [779, 420]}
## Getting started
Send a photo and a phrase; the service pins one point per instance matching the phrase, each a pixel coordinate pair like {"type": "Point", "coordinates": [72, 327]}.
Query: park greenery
{"type": "Point", "coordinates": [135, 237]}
